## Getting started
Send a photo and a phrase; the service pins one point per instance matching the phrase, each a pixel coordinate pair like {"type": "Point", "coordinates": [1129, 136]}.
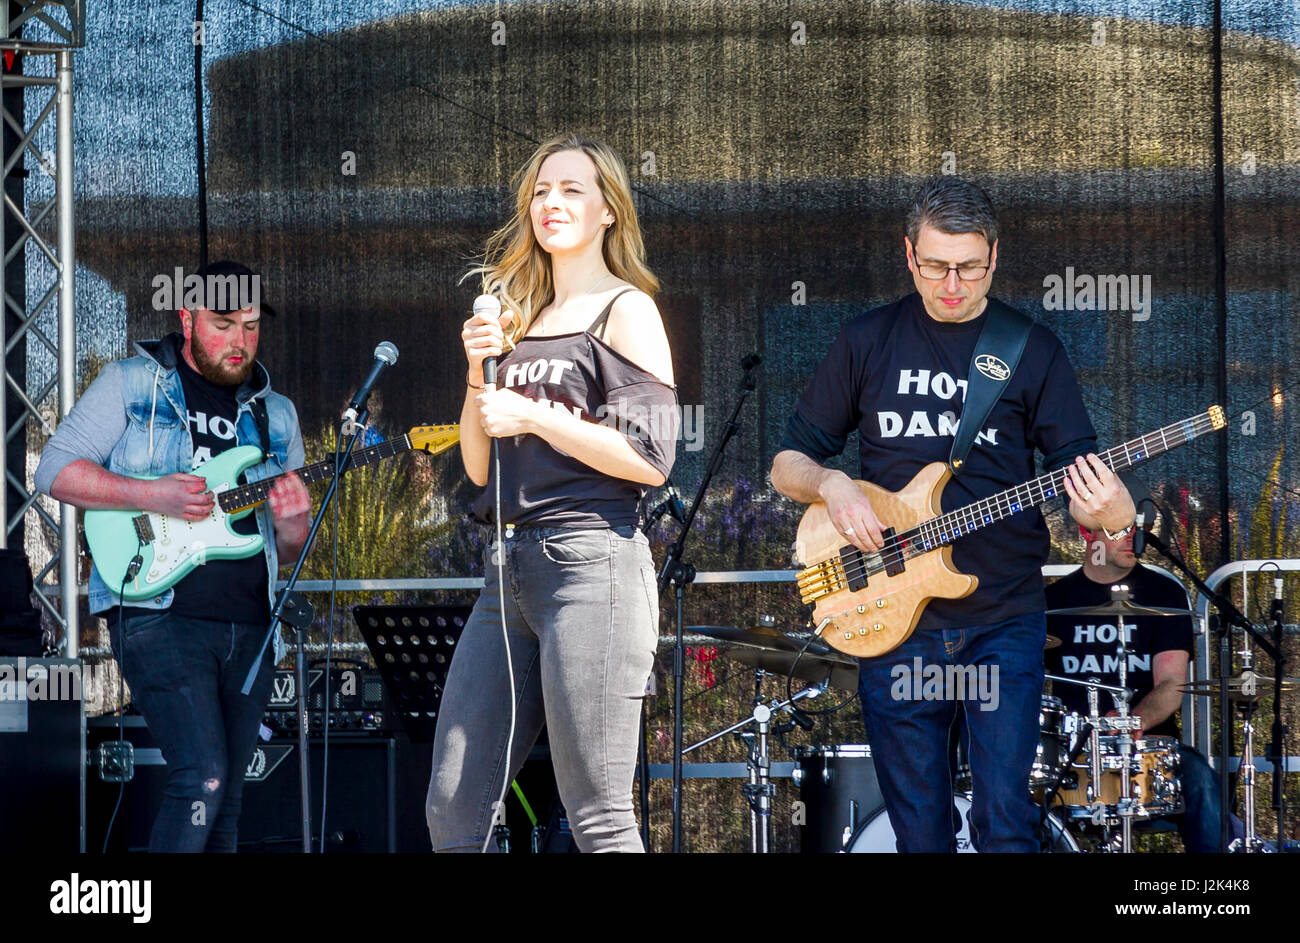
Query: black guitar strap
{"type": "Point", "coordinates": [263, 424]}
{"type": "Point", "coordinates": [996, 356]}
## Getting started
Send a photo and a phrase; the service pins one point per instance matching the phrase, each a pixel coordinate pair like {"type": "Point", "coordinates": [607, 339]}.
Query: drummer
{"type": "Point", "coordinates": [1159, 648]}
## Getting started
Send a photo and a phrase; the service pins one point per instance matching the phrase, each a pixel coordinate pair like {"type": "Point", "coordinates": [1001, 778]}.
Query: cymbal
{"type": "Point", "coordinates": [1052, 642]}
{"type": "Point", "coordinates": [1247, 686]}
{"type": "Point", "coordinates": [775, 651]}
{"type": "Point", "coordinates": [1119, 607]}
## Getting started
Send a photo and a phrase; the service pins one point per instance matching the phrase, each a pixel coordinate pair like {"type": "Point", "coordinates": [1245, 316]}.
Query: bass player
{"type": "Point", "coordinates": [898, 374]}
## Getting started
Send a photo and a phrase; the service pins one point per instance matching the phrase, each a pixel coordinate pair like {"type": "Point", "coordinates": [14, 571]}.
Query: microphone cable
{"type": "Point", "coordinates": [499, 806]}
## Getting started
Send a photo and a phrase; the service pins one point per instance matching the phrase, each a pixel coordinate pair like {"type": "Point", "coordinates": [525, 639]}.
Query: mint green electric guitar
{"type": "Point", "coordinates": [171, 547]}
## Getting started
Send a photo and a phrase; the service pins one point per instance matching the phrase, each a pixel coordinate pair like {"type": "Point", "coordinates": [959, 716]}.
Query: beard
{"type": "Point", "coordinates": [218, 371]}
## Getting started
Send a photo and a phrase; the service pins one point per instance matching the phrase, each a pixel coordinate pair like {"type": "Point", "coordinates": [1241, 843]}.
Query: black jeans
{"type": "Point", "coordinates": [185, 676]}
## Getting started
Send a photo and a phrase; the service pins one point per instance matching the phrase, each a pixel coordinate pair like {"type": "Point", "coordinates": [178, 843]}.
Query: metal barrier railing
{"type": "Point", "coordinates": [1214, 580]}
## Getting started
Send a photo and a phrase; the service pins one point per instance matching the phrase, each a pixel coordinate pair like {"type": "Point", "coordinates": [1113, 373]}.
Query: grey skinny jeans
{"type": "Point", "coordinates": [582, 616]}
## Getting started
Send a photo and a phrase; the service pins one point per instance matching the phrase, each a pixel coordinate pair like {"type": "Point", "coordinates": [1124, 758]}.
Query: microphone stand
{"type": "Point", "coordinates": [680, 573]}
{"type": "Point", "coordinates": [1230, 615]}
{"type": "Point", "coordinates": [294, 610]}
{"type": "Point", "coordinates": [1276, 754]}
{"type": "Point", "coordinates": [670, 505]}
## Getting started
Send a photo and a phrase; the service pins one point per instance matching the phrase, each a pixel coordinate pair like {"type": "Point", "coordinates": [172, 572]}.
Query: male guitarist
{"type": "Point", "coordinates": [186, 652]}
{"type": "Point", "coordinates": [898, 374]}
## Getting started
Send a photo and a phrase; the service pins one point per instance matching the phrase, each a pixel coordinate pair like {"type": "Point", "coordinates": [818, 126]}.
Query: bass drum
{"type": "Point", "coordinates": [839, 789]}
{"type": "Point", "coordinates": [876, 834]}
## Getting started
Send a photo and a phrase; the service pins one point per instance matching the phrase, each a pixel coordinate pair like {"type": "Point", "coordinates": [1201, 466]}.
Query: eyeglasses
{"type": "Point", "coordinates": [967, 273]}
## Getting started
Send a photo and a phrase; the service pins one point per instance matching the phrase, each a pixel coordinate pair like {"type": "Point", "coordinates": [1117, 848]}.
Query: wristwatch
{"type": "Point", "coordinates": [1121, 534]}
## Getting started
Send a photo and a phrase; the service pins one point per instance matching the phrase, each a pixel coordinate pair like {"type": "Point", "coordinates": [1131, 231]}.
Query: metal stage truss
{"type": "Point", "coordinates": [43, 35]}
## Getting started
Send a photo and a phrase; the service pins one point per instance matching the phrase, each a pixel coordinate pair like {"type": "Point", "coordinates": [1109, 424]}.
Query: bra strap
{"type": "Point", "coordinates": [598, 325]}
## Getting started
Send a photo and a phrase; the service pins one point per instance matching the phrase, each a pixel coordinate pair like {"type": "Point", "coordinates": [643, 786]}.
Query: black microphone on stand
{"type": "Point", "coordinates": [385, 356]}
{"type": "Point", "coordinates": [1139, 533]}
{"type": "Point", "coordinates": [491, 306]}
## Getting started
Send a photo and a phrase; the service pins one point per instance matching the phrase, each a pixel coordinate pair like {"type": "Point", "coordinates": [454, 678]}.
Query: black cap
{"type": "Point", "coordinates": [226, 297]}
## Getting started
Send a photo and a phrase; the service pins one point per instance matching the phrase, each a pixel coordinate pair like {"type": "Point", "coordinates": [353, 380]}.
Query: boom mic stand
{"type": "Point", "coordinates": [680, 573]}
{"type": "Point", "coordinates": [1276, 751]}
{"type": "Point", "coordinates": [294, 610]}
{"type": "Point", "coordinates": [1230, 615]}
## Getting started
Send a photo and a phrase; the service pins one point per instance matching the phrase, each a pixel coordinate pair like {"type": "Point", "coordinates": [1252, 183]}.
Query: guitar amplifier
{"type": "Point", "coordinates": [358, 703]}
{"type": "Point", "coordinates": [42, 745]}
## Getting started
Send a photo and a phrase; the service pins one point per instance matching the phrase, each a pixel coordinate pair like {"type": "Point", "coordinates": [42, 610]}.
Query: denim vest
{"type": "Point", "coordinates": [157, 441]}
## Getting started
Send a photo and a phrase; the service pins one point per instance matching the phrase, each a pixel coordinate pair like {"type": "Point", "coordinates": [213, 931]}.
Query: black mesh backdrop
{"type": "Point", "coordinates": [773, 147]}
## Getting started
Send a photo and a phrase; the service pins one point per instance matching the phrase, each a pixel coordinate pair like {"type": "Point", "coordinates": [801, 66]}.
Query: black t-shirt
{"type": "Point", "coordinates": [899, 377]}
{"type": "Point", "coordinates": [581, 374]}
{"type": "Point", "coordinates": [1088, 643]}
{"type": "Point", "coordinates": [224, 590]}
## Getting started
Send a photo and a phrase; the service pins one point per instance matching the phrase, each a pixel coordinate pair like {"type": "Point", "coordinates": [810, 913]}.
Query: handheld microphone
{"type": "Point", "coordinates": [385, 356]}
{"type": "Point", "coordinates": [489, 305]}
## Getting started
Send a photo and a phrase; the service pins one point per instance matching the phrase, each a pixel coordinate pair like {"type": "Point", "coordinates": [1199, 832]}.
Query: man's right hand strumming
{"type": "Point", "coordinates": [180, 495]}
{"type": "Point", "coordinates": [797, 476]}
{"type": "Point", "coordinates": [92, 487]}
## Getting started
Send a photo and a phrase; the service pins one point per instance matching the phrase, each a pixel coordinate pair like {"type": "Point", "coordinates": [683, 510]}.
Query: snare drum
{"type": "Point", "coordinates": [1049, 756]}
{"type": "Point", "coordinates": [1153, 778]}
{"type": "Point", "coordinates": [839, 790]}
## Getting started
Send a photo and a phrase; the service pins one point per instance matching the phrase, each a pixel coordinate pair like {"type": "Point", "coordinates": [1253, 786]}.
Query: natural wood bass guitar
{"type": "Point", "coordinates": [873, 601]}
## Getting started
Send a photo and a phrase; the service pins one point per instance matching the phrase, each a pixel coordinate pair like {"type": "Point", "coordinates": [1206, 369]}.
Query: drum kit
{"type": "Point", "coordinates": [1096, 778]}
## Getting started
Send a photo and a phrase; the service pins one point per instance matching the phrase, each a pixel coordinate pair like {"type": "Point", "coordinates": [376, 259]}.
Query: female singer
{"type": "Point", "coordinates": [585, 420]}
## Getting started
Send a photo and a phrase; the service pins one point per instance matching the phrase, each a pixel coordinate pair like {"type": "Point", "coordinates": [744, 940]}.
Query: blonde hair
{"type": "Point", "coordinates": [518, 270]}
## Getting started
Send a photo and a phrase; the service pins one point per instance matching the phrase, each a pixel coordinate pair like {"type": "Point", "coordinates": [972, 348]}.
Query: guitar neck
{"type": "Point", "coordinates": [254, 493]}
{"type": "Point", "coordinates": [948, 527]}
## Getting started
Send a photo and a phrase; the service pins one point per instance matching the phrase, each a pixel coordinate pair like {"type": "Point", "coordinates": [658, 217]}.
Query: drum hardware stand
{"type": "Point", "coordinates": [1230, 616]}
{"type": "Point", "coordinates": [1250, 843]}
{"type": "Point", "coordinates": [501, 835]}
{"type": "Point", "coordinates": [1126, 810]}
{"type": "Point", "coordinates": [1095, 722]}
{"type": "Point", "coordinates": [679, 574]}
{"type": "Point", "coordinates": [760, 791]}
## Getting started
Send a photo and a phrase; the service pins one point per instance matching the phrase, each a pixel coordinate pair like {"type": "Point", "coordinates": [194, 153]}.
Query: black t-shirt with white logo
{"type": "Point", "coordinates": [899, 378]}
{"type": "Point", "coordinates": [221, 590]}
{"type": "Point", "coordinates": [1088, 643]}
{"type": "Point", "coordinates": [580, 374]}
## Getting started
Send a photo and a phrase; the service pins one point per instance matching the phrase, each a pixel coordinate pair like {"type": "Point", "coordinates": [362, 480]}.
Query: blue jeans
{"type": "Point", "coordinates": [910, 735]}
{"type": "Point", "coordinates": [1199, 823]}
{"type": "Point", "coordinates": [185, 676]}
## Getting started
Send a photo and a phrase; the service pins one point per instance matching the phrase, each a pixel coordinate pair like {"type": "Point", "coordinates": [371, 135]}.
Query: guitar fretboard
{"type": "Point", "coordinates": [256, 492]}
{"type": "Point", "coordinates": [946, 528]}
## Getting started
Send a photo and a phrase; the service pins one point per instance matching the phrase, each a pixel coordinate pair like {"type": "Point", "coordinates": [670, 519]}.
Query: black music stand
{"type": "Point", "coordinates": [412, 647]}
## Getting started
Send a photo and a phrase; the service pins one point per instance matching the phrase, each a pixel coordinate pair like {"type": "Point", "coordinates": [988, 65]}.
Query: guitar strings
{"type": "Point", "coordinates": [255, 492]}
{"type": "Point", "coordinates": [903, 546]}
